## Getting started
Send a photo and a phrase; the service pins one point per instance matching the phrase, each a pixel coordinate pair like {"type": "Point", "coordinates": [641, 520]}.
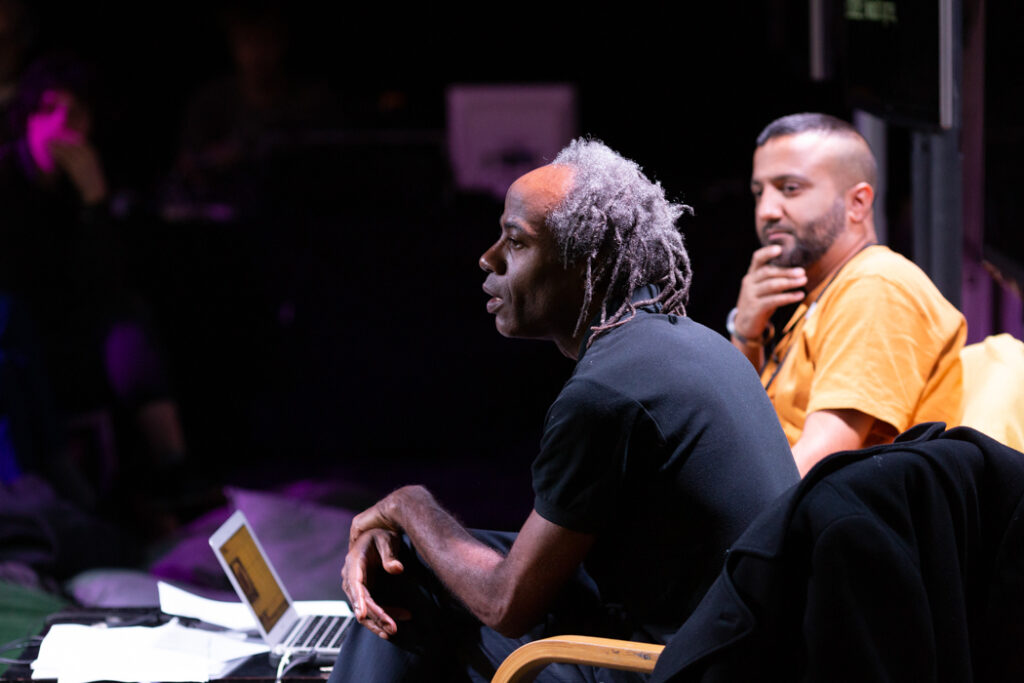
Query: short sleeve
{"type": "Point", "coordinates": [579, 474]}
{"type": "Point", "coordinates": [873, 351]}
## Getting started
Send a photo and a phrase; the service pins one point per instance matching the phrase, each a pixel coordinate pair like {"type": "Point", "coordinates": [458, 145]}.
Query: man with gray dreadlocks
{"type": "Point", "coordinates": [659, 450]}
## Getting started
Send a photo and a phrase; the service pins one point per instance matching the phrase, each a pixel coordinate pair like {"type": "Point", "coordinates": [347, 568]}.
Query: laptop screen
{"type": "Point", "coordinates": [254, 577]}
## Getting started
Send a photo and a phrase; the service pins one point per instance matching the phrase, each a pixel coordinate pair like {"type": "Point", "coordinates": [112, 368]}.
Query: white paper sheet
{"type": "Point", "coordinates": [74, 653]}
{"type": "Point", "coordinates": [232, 615]}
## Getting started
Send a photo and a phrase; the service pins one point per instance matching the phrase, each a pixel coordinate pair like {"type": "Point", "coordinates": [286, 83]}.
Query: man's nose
{"type": "Point", "coordinates": [768, 208]}
{"type": "Point", "coordinates": [490, 260]}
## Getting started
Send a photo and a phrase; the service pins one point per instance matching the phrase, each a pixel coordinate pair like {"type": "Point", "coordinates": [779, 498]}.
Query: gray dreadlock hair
{"type": "Point", "coordinates": [619, 224]}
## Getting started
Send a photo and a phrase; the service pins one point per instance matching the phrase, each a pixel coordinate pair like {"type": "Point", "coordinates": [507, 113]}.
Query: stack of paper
{"type": "Point", "coordinates": [73, 653]}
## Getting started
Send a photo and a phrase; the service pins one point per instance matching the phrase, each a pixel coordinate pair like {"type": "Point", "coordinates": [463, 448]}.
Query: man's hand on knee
{"type": "Point", "coordinates": [372, 551]}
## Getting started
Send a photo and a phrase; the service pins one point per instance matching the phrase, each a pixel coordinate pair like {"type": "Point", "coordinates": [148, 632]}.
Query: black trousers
{"type": "Point", "coordinates": [444, 642]}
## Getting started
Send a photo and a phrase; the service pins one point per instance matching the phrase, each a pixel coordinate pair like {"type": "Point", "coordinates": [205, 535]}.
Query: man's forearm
{"type": "Point", "coordinates": [472, 571]}
{"type": "Point", "coordinates": [506, 592]}
{"type": "Point", "coordinates": [828, 431]}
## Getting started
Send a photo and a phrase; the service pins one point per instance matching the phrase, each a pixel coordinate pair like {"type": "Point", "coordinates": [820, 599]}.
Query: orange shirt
{"type": "Point", "coordinates": [879, 338]}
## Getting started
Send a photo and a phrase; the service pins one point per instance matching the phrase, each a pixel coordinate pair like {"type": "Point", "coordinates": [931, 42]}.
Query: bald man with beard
{"type": "Point", "coordinates": [872, 347]}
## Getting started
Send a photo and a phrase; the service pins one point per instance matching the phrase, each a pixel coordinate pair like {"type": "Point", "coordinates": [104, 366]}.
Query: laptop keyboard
{"type": "Point", "coordinates": [320, 632]}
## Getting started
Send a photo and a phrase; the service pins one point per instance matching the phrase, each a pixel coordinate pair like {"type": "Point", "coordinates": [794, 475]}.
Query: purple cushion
{"type": "Point", "coordinates": [306, 544]}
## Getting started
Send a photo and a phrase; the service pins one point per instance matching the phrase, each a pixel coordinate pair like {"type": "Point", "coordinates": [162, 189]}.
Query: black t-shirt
{"type": "Point", "coordinates": [663, 444]}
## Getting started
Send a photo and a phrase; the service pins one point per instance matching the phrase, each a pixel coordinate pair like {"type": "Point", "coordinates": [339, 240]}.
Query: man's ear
{"type": "Point", "coordinates": [859, 200]}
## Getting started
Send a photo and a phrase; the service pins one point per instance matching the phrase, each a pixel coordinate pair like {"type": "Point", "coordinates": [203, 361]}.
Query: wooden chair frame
{"type": "Point", "coordinates": [523, 665]}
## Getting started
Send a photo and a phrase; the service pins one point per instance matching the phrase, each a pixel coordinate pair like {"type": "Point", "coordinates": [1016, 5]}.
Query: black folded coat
{"type": "Point", "coordinates": [902, 562]}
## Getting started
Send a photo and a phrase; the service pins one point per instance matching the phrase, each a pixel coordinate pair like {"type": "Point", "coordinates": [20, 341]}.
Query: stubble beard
{"type": "Point", "coordinates": [811, 243]}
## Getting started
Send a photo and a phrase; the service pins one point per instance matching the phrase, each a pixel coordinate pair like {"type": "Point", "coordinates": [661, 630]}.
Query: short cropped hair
{"type": "Point", "coordinates": [619, 224]}
{"type": "Point", "coordinates": [808, 122]}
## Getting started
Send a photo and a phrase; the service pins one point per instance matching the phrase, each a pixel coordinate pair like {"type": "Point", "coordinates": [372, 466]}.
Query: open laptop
{"type": "Point", "coordinates": [258, 585]}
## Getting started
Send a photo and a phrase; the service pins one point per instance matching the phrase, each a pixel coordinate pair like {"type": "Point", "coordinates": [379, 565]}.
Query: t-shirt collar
{"type": "Point", "coordinates": [639, 294]}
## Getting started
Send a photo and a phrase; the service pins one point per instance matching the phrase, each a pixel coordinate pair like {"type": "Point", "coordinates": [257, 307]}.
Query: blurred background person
{"type": "Point", "coordinates": [61, 257]}
{"type": "Point", "coordinates": [238, 125]}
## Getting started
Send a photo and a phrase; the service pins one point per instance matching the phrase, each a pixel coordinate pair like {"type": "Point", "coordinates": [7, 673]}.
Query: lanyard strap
{"type": "Point", "coordinates": [798, 319]}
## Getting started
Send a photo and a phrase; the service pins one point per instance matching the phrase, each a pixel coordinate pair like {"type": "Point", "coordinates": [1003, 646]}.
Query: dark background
{"type": "Point", "coordinates": [343, 328]}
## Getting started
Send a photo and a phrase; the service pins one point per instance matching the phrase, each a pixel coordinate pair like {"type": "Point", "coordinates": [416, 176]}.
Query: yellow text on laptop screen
{"type": "Point", "coordinates": [254, 577]}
